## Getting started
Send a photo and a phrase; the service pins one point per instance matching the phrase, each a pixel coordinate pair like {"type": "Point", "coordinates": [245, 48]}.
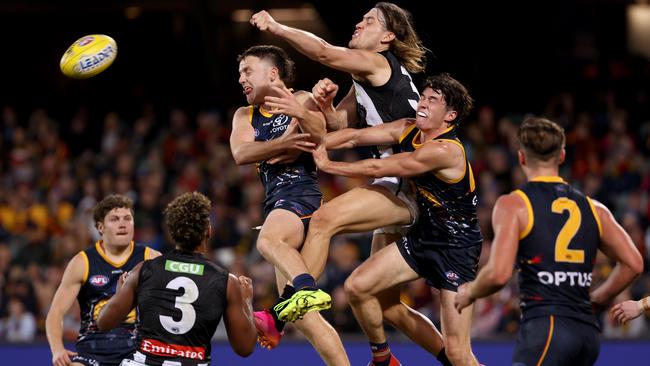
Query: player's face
{"type": "Point", "coordinates": [117, 227]}
{"type": "Point", "coordinates": [369, 32]}
{"type": "Point", "coordinates": [432, 110]}
{"type": "Point", "coordinates": [255, 77]}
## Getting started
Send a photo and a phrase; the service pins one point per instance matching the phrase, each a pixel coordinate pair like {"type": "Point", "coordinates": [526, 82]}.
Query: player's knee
{"type": "Point", "coordinates": [322, 221]}
{"type": "Point", "coordinates": [264, 246]}
{"type": "Point", "coordinates": [355, 288]}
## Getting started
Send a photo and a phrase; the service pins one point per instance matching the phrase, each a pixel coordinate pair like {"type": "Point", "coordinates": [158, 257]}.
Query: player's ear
{"type": "Point", "coordinates": [521, 157]}
{"type": "Point", "coordinates": [562, 156]}
{"type": "Point", "coordinates": [100, 227]}
{"type": "Point", "coordinates": [388, 37]}
{"type": "Point", "coordinates": [274, 74]}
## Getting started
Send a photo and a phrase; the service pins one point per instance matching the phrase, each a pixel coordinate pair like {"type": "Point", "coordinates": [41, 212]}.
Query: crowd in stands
{"type": "Point", "coordinates": [53, 171]}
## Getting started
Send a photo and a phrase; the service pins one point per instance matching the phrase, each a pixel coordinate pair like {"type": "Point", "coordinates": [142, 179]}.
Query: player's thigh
{"type": "Point", "coordinates": [455, 327]}
{"type": "Point", "coordinates": [363, 209]}
{"type": "Point", "coordinates": [283, 226]}
{"type": "Point", "coordinates": [383, 270]}
{"type": "Point", "coordinates": [380, 241]}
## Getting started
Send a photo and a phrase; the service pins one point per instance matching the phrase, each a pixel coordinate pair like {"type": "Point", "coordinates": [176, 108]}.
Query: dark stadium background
{"type": "Point", "coordinates": [570, 60]}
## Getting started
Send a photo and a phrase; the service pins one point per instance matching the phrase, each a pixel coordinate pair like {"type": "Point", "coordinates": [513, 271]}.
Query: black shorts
{"type": "Point", "coordinates": [443, 268]}
{"type": "Point", "coordinates": [303, 207]}
{"type": "Point", "coordinates": [556, 340]}
{"type": "Point", "coordinates": [103, 352]}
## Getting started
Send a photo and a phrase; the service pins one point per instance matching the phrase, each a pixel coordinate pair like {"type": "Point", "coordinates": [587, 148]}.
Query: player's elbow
{"type": "Point", "coordinates": [636, 264]}
{"type": "Point", "coordinates": [240, 158]}
{"type": "Point", "coordinates": [500, 278]}
{"type": "Point", "coordinates": [244, 349]}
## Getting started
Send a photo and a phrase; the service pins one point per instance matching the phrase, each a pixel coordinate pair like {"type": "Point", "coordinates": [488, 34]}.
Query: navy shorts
{"type": "Point", "coordinates": [103, 352]}
{"type": "Point", "coordinates": [442, 267]}
{"type": "Point", "coordinates": [303, 207]}
{"type": "Point", "coordinates": [556, 340]}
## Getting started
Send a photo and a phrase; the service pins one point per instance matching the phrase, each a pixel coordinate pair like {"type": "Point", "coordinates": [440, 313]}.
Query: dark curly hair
{"type": "Point", "coordinates": [455, 94]}
{"type": "Point", "coordinates": [188, 220]}
{"type": "Point", "coordinates": [277, 57]}
{"type": "Point", "coordinates": [541, 139]}
{"type": "Point", "coordinates": [109, 203]}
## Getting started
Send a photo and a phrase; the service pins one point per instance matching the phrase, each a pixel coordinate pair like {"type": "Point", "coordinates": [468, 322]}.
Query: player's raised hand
{"type": "Point", "coordinates": [264, 22]}
{"type": "Point", "coordinates": [62, 357]}
{"type": "Point", "coordinates": [284, 102]}
{"type": "Point", "coordinates": [626, 311]}
{"type": "Point", "coordinates": [293, 139]}
{"type": "Point", "coordinates": [324, 92]}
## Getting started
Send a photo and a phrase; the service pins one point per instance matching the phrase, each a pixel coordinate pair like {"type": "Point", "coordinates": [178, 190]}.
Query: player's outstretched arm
{"type": "Point", "coordinates": [246, 150]}
{"type": "Point", "coordinates": [73, 278]}
{"type": "Point", "coordinates": [354, 61]}
{"type": "Point", "coordinates": [240, 324]}
{"type": "Point", "coordinates": [119, 306]}
{"type": "Point", "coordinates": [618, 246]}
{"type": "Point", "coordinates": [431, 157]}
{"type": "Point", "coordinates": [383, 134]}
{"type": "Point", "coordinates": [507, 216]}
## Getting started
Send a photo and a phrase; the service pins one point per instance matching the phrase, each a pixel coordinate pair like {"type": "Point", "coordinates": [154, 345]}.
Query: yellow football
{"type": "Point", "coordinates": [88, 56]}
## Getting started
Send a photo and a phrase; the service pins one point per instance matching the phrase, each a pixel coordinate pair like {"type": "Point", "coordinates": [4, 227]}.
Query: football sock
{"type": "Point", "coordinates": [304, 282]}
{"type": "Point", "coordinates": [380, 354]}
{"type": "Point", "coordinates": [286, 294]}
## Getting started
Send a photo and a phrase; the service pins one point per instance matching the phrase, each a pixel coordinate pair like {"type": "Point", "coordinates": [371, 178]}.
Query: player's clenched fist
{"type": "Point", "coordinates": [264, 22]}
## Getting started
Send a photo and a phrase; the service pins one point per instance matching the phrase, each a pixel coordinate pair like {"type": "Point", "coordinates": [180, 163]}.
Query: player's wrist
{"type": "Point", "coordinates": [643, 304]}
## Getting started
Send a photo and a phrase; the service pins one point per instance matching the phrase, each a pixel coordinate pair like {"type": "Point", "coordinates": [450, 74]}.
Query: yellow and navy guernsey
{"type": "Point", "coordinates": [284, 182]}
{"type": "Point", "coordinates": [100, 281]}
{"type": "Point", "coordinates": [447, 208]}
{"type": "Point", "coordinates": [557, 250]}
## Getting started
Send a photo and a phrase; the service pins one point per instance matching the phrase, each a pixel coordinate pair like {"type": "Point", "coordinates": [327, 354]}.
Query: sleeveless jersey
{"type": "Point", "coordinates": [99, 286]}
{"type": "Point", "coordinates": [181, 299]}
{"type": "Point", "coordinates": [396, 99]}
{"type": "Point", "coordinates": [447, 209]}
{"type": "Point", "coordinates": [557, 250]}
{"type": "Point", "coordinates": [283, 181]}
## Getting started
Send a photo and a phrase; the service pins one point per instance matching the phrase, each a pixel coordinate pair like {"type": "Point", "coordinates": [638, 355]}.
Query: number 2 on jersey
{"type": "Point", "coordinates": [184, 303]}
{"type": "Point", "coordinates": [569, 230]}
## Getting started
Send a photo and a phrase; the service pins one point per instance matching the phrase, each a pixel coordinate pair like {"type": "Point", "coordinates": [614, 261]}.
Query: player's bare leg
{"type": "Point", "coordinates": [358, 210]}
{"type": "Point", "coordinates": [413, 324]}
{"type": "Point", "coordinates": [384, 270]}
{"type": "Point", "coordinates": [456, 330]}
{"type": "Point", "coordinates": [282, 234]}
{"type": "Point", "coordinates": [278, 242]}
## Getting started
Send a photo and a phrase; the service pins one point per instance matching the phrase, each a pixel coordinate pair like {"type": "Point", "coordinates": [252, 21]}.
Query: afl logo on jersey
{"type": "Point", "coordinates": [98, 280]}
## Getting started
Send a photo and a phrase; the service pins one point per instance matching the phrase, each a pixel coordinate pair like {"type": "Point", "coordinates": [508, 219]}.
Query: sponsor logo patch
{"type": "Point", "coordinates": [98, 280]}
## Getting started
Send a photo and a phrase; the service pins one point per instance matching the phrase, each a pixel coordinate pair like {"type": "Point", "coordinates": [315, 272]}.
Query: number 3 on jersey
{"type": "Point", "coordinates": [569, 230]}
{"type": "Point", "coordinates": [184, 303]}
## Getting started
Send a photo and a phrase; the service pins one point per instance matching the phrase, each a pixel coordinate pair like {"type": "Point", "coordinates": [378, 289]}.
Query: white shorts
{"type": "Point", "coordinates": [140, 359]}
{"type": "Point", "coordinates": [401, 188]}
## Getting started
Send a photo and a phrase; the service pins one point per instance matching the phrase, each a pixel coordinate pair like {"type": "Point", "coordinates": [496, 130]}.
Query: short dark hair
{"type": "Point", "coordinates": [277, 56]}
{"type": "Point", "coordinates": [541, 138]}
{"type": "Point", "coordinates": [109, 203]}
{"type": "Point", "coordinates": [455, 94]}
{"type": "Point", "coordinates": [188, 219]}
